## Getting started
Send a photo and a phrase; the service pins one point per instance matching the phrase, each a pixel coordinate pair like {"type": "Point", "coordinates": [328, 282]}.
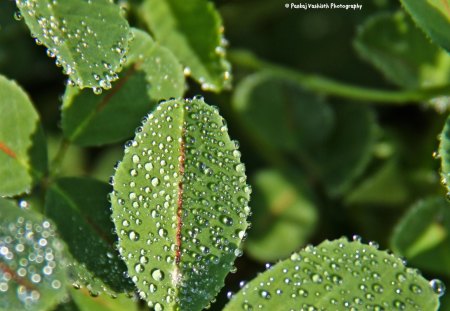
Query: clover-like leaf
{"type": "Point", "coordinates": [433, 16]}
{"type": "Point", "coordinates": [84, 301]}
{"type": "Point", "coordinates": [284, 217]}
{"type": "Point", "coordinates": [339, 275]}
{"type": "Point", "coordinates": [89, 39]}
{"type": "Point", "coordinates": [180, 205]}
{"type": "Point", "coordinates": [151, 73]}
{"type": "Point", "coordinates": [394, 44]}
{"type": "Point", "coordinates": [80, 208]}
{"type": "Point", "coordinates": [193, 32]}
{"type": "Point", "coordinates": [32, 269]}
{"type": "Point", "coordinates": [23, 155]}
{"type": "Point", "coordinates": [422, 235]}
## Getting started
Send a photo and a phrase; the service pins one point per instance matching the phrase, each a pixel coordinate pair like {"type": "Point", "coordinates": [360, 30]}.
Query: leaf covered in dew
{"type": "Point", "coordinates": [151, 73]}
{"type": "Point", "coordinates": [444, 154]}
{"type": "Point", "coordinates": [433, 16]}
{"type": "Point", "coordinates": [89, 39]}
{"type": "Point", "coordinates": [180, 204]}
{"type": "Point", "coordinates": [32, 266]}
{"type": "Point", "coordinates": [23, 154]}
{"type": "Point", "coordinates": [339, 275]}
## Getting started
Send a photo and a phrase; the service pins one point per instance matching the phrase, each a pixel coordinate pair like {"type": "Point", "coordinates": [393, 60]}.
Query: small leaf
{"type": "Point", "coordinates": [193, 32]}
{"type": "Point", "coordinates": [393, 43]}
{"type": "Point", "coordinates": [85, 302]}
{"type": "Point", "coordinates": [180, 205]}
{"type": "Point", "coordinates": [433, 16]}
{"type": "Point", "coordinates": [338, 275]}
{"type": "Point", "coordinates": [80, 208]}
{"type": "Point", "coordinates": [283, 217]}
{"type": "Point", "coordinates": [283, 114]}
{"type": "Point", "coordinates": [23, 154]}
{"type": "Point", "coordinates": [89, 39]}
{"type": "Point", "coordinates": [151, 73]}
{"type": "Point", "coordinates": [32, 271]}
{"type": "Point", "coordinates": [422, 235]}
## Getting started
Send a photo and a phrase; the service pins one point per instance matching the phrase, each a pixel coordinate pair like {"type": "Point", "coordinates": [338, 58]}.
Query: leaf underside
{"type": "Point", "coordinates": [180, 205]}
{"type": "Point", "coordinates": [337, 275]}
{"type": "Point", "coordinates": [89, 39]}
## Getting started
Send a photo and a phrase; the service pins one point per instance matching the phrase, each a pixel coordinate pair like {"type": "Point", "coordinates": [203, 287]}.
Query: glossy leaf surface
{"type": "Point", "coordinates": [180, 205]}
{"type": "Point", "coordinates": [89, 39]}
{"type": "Point", "coordinates": [338, 275]}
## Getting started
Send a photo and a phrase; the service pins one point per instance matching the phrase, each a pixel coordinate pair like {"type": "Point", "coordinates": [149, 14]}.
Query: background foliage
{"type": "Point", "coordinates": [326, 157]}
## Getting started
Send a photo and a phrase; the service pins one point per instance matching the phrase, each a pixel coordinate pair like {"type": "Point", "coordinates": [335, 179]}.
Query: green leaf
{"type": "Point", "coordinates": [89, 39]}
{"type": "Point", "coordinates": [23, 154]}
{"type": "Point", "coordinates": [444, 154]}
{"type": "Point", "coordinates": [80, 208]}
{"type": "Point", "coordinates": [193, 32]}
{"type": "Point", "coordinates": [338, 275]}
{"type": "Point", "coordinates": [283, 218]}
{"type": "Point", "coordinates": [422, 235]}
{"type": "Point", "coordinates": [151, 73]}
{"type": "Point", "coordinates": [32, 269]}
{"type": "Point", "coordinates": [387, 186]}
{"type": "Point", "coordinates": [85, 302]}
{"type": "Point", "coordinates": [281, 113]}
{"type": "Point", "coordinates": [433, 16]}
{"type": "Point", "coordinates": [393, 44]}
{"type": "Point", "coordinates": [180, 205]}
{"type": "Point", "coordinates": [349, 149]}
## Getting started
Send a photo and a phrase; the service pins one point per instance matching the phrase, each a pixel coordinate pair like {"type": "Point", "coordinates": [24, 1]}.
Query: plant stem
{"type": "Point", "coordinates": [59, 157]}
{"type": "Point", "coordinates": [330, 87]}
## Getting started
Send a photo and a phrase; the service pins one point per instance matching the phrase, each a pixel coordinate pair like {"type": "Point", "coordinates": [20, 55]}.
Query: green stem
{"type": "Point", "coordinates": [330, 87]}
{"type": "Point", "coordinates": [59, 157]}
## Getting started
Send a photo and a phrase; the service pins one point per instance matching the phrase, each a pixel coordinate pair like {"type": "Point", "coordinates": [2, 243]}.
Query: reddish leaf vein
{"type": "Point", "coordinates": [180, 197]}
{"type": "Point", "coordinates": [7, 150]}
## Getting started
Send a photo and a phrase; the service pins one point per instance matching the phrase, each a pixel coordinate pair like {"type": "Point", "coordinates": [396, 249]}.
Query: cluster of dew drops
{"type": "Point", "coordinates": [215, 198]}
{"type": "Point", "coordinates": [30, 259]}
{"type": "Point", "coordinates": [59, 33]}
{"type": "Point", "coordinates": [307, 268]}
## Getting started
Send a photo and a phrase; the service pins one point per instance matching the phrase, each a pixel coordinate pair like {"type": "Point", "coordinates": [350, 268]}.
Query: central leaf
{"type": "Point", "coordinates": [180, 204]}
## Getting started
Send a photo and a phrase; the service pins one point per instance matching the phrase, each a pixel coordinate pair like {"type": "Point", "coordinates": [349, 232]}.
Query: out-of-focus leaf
{"type": "Point", "coordinates": [193, 32]}
{"type": "Point", "coordinates": [80, 208]}
{"type": "Point", "coordinates": [337, 275]}
{"type": "Point", "coordinates": [433, 16]}
{"type": "Point", "coordinates": [281, 113]}
{"type": "Point", "coordinates": [422, 235]}
{"type": "Point", "coordinates": [151, 73]}
{"type": "Point", "coordinates": [32, 268]}
{"type": "Point", "coordinates": [74, 158]}
{"type": "Point", "coordinates": [89, 39]}
{"type": "Point", "coordinates": [394, 44]}
{"type": "Point", "coordinates": [23, 153]}
{"type": "Point", "coordinates": [180, 205]}
{"type": "Point", "coordinates": [85, 302]}
{"type": "Point", "coordinates": [349, 148]}
{"type": "Point", "coordinates": [387, 186]}
{"type": "Point", "coordinates": [105, 162]}
{"type": "Point", "coordinates": [283, 218]}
